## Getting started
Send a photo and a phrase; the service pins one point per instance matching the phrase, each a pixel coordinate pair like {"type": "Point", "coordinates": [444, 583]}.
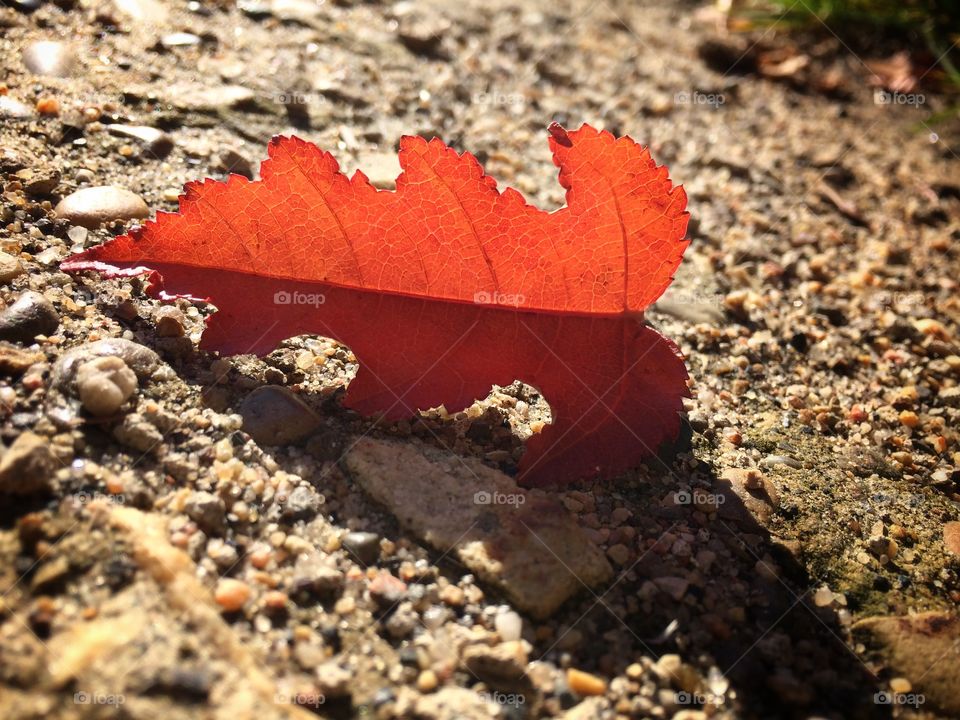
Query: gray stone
{"type": "Point", "coordinates": [272, 415]}
{"type": "Point", "coordinates": [207, 511]}
{"type": "Point", "coordinates": [302, 504]}
{"type": "Point", "coordinates": [402, 622]}
{"type": "Point", "coordinates": [314, 573]}
{"type": "Point", "coordinates": [31, 315]}
{"type": "Point", "coordinates": [135, 432]}
{"type": "Point", "coordinates": [523, 542]}
{"type": "Point", "coordinates": [27, 467]}
{"type": "Point", "coordinates": [91, 207]}
{"type": "Point", "coordinates": [333, 680]}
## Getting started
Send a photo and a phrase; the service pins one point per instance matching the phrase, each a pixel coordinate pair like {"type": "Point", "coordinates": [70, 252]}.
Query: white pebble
{"type": "Point", "coordinates": [509, 625]}
{"type": "Point", "coordinates": [104, 384]}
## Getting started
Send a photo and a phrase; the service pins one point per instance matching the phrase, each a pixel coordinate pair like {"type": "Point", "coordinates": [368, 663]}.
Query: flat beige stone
{"type": "Point", "coordinates": [521, 541]}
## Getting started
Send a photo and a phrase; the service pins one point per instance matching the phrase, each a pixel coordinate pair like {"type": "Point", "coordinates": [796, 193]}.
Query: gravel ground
{"type": "Point", "coordinates": [184, 535]}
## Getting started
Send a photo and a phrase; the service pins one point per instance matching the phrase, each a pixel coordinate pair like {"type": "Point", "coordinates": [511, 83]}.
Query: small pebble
{"type": "Point", "coordinates": [900, 685]}
{"type": "Point", "coordinates": [509, 625]}
{"type": "Point", "coordinates": [10, 267]}
{"type": "Point", "coordinates": [275, 600]}
{"type": "Point", "coordinates": [427, 681]}
{"type": "Point", "coordinates": [363, 546]}
{"type": "Point", "coordinates": [585, 684]}
{"type": "Point", "coordinates": [619, 553]}
{"type": "Point", "coordinates": [207, 511]}
{"type": "Point", "coordinates": [909, 418]}
{"type": "Point", "coordinates": [234, 163]}
{"type": "Point", "coordinates": [104, 384]}
{"type": "Point", "coordinates": [273, 415]}
{"type": "Point", "coordinates": [302, 504]}
{"type": "Point", "coordinates": [179, 39]}
{"type": "Point", "coordinates": [170, 321]}
{"type": "Point", "coordinates": [333, 680]}
{"type": "Point", "coordinates": [48, 106]}
{"type": "Point", "coordinates": [231, 594]}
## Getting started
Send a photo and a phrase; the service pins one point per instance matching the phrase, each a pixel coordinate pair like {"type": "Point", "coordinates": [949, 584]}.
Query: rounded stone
{"type": "Point", "coordinates": [31, 315]}
{"type": "Point", "coordinates": [142, 360]}
{"type": "Point", "coordinates": [272, 415]}
{"type": "Point", "coordinates": [91, 207]}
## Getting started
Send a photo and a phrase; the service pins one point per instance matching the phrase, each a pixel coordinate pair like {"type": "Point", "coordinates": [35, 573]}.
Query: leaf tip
{"type": "Point", "coordinates": [559, 134]}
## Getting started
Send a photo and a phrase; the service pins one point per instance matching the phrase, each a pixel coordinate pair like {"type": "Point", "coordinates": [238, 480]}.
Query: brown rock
{"type": "Point", "coordinates": [27, 467]}
{"type": "Point", "coordinates": [10, 267]}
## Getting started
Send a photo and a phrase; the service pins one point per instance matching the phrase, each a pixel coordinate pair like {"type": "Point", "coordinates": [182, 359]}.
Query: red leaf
{"type": "Point", "coordinates": [446, 285]}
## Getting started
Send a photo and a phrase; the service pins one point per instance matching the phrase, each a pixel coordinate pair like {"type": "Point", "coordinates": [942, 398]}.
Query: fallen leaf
{"type": "Point", "coordinates": [446, 285]}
